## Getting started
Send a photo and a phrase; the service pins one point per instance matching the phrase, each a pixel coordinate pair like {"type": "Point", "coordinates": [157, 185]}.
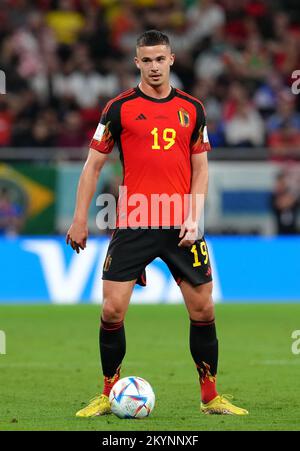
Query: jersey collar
{"type": "Point", "coordinates": [153, 99]}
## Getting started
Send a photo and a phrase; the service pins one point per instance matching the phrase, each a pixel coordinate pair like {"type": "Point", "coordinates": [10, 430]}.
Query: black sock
{"type": "Point", "coordinates": [112, 344]}
{"type": "Point", "coordinates": [204, 347]}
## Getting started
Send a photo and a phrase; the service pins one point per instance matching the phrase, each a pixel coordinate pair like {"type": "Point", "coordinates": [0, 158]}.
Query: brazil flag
{"type": "Point", "coordinates": [31, 189]}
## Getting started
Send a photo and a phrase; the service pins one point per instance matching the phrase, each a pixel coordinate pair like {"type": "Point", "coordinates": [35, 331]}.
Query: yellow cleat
{"type": "Point", "coordinates": [97, 406]}
{"type": "Point", "coordinates": [220, 405]}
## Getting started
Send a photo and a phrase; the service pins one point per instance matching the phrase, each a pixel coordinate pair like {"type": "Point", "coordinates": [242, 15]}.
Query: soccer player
{"type": "Point", "coordinates": [162, 138]}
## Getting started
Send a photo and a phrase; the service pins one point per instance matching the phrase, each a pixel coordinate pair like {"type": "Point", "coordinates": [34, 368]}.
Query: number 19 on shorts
{"type": "Point", "coordinates": [203, 251]}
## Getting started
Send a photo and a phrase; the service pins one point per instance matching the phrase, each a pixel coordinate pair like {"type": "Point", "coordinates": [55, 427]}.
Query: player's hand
{"type": "Point", "coordinates": [188, 233]}
{"type": "Point", "coordinates": [77, 236]}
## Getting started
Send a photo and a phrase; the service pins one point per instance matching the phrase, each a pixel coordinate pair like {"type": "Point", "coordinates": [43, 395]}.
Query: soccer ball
{"type": "Point", "coordinates": [132, 397]}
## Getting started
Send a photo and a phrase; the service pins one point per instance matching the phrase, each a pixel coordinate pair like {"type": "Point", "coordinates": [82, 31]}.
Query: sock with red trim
{"type": "Point", "coordinates": [204, 350]}
{"type": "Point", "coordinates": [112, 344]}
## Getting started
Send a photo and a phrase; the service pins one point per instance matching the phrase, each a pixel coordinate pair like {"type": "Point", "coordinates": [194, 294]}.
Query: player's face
{"type": "Point", "coordinates": [154, 63]}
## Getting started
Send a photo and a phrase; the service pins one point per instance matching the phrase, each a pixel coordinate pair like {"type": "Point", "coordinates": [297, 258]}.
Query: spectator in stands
{"type": "Point", "coordinates": [266, 95]}
{"type": "Point", "coordinates": [285, 113]}
{"type": "Point", "coordinates": [66, 22]}
{"type": "Point", "coordinates": [243, 125]}
{"type": "Point", "coordinates": [255, 60]}
{"type": "Point", "coordinates": [206, 89]}
{"type": "Point", "coordinates": [284, 143]}
{"type": "Point", "coordinates": [26, 109]}
{"type": "Point", "coordinates": [216, 132]}
{"type": "Point", "coordinates": [204, 17]}
{"type": "Point", "coordinates": [60, 79]}
{"type": "Point", "coordinates": [71, 134]}
{"type": "Point", "coordinates": [284, 45]}
{"type": "Point", "coordinates": [218, 58]}
{"type": "Point", "coordinates": [87, 85]}
{"type": "Point", "coordinates": [285, 205]}
{"type": "Point", "coordinates": [31, 43]}
{"type": "Point", "coordinates": [246, 128]}
{"type": "Point", "coordinates": [41, 135]}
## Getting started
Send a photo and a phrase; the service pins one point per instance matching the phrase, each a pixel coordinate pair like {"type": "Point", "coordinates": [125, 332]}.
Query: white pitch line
{"type": "Point", "coordinates": [278, 362]}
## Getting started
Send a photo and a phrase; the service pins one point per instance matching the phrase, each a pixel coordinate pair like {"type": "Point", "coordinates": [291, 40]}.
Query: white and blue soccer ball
{"type": "Point", "coordinates": [132, 397]}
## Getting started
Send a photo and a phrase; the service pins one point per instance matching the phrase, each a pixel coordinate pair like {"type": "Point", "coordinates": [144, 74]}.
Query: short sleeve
{"type": "Point", "coordinates": [199, 140]}
{"type": "Point", "coordinates": [108, 129]}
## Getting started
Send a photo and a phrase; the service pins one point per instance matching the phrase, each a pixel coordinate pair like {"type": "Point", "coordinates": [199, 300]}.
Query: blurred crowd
{"type": "Point", "coordinates": [64, 59]}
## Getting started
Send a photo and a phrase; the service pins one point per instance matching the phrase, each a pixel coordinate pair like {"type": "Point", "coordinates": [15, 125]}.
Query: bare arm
{"type": "Point", "coordinates": [78, 232]}
{"type": "Point", "coordinates": [199, 185]}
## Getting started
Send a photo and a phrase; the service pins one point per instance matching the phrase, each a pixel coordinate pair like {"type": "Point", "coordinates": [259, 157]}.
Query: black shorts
{"type": "Point", "coordinates": [130, 251]}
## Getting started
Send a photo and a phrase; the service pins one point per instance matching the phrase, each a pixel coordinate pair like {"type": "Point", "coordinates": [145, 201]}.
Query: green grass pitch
{"type": "Point", "coordinates": [51, 367]}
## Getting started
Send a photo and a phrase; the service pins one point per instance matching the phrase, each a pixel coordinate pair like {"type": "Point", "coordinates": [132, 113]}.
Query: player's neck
{"type": "Point", "coordinates": [159, 92]}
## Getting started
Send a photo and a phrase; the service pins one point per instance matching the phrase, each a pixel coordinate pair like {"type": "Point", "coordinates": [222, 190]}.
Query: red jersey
{"type": "Point", "coordinates": [156, 138]}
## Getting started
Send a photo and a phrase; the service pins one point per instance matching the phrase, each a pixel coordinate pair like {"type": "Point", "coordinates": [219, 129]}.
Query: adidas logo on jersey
{"type": "Point", "coordinates": [140, 117]}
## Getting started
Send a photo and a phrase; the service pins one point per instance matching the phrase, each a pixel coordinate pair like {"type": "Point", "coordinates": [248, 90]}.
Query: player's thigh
{"type": "Point", "coordinates": [129, 252]}
{"type": "Point", "coordinates": [186, 263]}
{"type": "Point", "coordinates": [116, 298]}
{"type": "Point", "coordinates": [198, 300]}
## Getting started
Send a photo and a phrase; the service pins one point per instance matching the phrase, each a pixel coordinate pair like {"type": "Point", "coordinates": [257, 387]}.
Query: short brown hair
{"type": "Point", "coordinates": [152, 37]}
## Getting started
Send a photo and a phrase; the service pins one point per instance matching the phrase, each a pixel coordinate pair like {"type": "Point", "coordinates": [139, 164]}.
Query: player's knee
{"type": "Point", "coordinates": [203, 312]}
{"type": "Point", "coordinates": [208, 311]}
{"type": "Point", "coordinates": [203, 309]}
{"type": "Point", "coordinates": [112, 310]}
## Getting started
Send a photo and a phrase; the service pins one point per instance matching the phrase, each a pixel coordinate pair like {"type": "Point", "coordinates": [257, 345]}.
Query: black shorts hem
{"type": "Point", "coordinates": [203, 282]}
{"type": "Point", "coordinates": [179, 279]}
{"type": "Point", "coordinates": [140, 279]}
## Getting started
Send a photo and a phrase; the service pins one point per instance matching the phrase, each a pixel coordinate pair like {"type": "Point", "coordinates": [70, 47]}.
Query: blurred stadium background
{"type": "Point", "coordinates": [64, 59]}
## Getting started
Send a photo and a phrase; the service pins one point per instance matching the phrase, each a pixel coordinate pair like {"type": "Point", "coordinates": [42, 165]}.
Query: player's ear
{"type": "Point", "coordinates": [136, 62]}
{"type": "Point", "coordinates": [172, 59]}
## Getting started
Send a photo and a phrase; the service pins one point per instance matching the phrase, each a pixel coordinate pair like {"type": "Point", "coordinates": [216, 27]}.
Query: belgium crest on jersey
{"type": "Point", "coordinates": [184, 117]}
